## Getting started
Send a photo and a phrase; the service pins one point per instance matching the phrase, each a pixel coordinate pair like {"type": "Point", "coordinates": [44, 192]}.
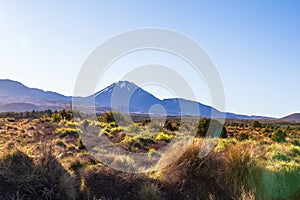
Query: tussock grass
{"type": "Point", "coordinates": [149, 191]}
{"type": "Point", "coordinates": [250, 195]}
{"type": "Point", "coordinates": [23, 178]}
{"type": "Point", "coordinates": [239, 163]}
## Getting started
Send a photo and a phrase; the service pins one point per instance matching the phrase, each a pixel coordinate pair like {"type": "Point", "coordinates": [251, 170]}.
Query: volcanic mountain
{"type": "Point", "coordinates": [123, 96]}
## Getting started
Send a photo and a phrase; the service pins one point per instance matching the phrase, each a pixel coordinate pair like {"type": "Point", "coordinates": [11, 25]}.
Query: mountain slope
{"type": "Point", "coordinates": [13, 90]}
{"type": "Point", "coordinates": [126, 97]}
{"type": "Point", "coordinates": [14, 96]}
{"type": "Point", "coordinates": [292, 117]}
{"type": "Point", "coordinates": [176, 106]}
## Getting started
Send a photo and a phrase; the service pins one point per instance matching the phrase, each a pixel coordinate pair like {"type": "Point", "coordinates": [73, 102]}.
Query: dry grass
{"type": "Point", "coordinates": [197, 176]}
{"type": "Point", "coordinates": [23, 178]}
{"type": "Point", "coordinates": [190, 163]}
{"type": "Point", "coordinates": [35, 172]}
{"type": "Point", "coordinates": [187, 162]}
{"type": "Point", "coordinates": [238, 163]}
{"type": "Point", "coordinates": [250, 195]}
{"type": "Point", "coordinates": [211, 196]}
{"type": "Point", "coordinates": [149, 191]}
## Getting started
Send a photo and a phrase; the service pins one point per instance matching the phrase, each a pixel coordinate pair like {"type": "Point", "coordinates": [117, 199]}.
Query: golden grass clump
{"type": "Point", "coordinates": [23, 178]}
{"type": "Point", "coordinates": [239, 163]}
{"type": "Point", "coordinates": [250, 195]}
{"type": "Point", "coordinates": [188, 162]}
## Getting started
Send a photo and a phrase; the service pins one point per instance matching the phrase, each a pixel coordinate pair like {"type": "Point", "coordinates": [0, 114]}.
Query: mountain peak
{"type": "Point", "coordinates": [126, 85]}
{"type": "Point", "coordinates": [118, 86]}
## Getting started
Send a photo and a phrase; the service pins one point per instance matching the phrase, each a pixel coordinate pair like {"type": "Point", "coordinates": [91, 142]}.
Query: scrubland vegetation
{"type": "Point", "coordinates": [43, 156]}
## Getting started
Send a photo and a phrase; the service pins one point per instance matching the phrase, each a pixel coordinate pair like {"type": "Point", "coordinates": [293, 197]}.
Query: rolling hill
{"type": "Point", "coordinates": [292, 117]}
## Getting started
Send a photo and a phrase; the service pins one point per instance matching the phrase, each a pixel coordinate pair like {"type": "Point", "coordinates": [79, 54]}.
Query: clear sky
{"type": "Point", "coordinates": [254, 44]}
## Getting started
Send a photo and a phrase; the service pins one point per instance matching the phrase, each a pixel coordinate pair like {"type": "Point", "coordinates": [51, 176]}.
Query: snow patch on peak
{"type": "Point", "coordinates": [127, 85]}
{"type": "Point", "coordinates": [122, 84]}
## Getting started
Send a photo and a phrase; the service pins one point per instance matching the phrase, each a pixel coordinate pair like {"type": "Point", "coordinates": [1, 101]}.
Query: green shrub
{"type": "Point", "coordinates": [296, 143]}
{"type": "Point", "coordinates": [70, 123]}
{"type": "Point", "coordinates": [63, 132]}
{"type": "Point", "coordinates": [137, 142]}
{"type": "Point", "coordinates": [243, 136]}
{"type": "Point", "coordinates": [112, 124]}
{"type": "Point", "coordinates": [211, 128]}
{"type": "Point", "coordinates": [256, 124]}
{"type": "Point", "coordinates": [281, 157]}
{"type": "Point", "coordinates": [56, 117]}
{"type": "Point", "coordinates": [116, 129]}
{"type": "Point", "coordinates": [106, 131]}
{"type": "Point", "coordinates": [172, 126]}
{"type": "Point", "coordinates": [278, 136]}
{"type": "Point", "coordinates": [161, 136]}
{"type": "Point", "coordinates": [80, 144]}
{"type": "Point", "coordinates": [296, 151]}
{"type": "Point", "coordinates": [66, 114]}
{"type": "Point", "coordinates": [61, 144]}
{"type": "Point", "coordinates": [223, 143]}
{"type": "Point", "coordinates": [62, 115]}
{"type": "Point", "coordinates": [203, 127]}
{"type": "Point", "coordinates": [112, 117]}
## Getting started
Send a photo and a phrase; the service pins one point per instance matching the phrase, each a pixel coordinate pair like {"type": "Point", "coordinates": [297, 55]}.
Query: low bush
{"type": "Point", "coordinates": [106, 131]}
{"type": "Point", "coordinates": [161, 136]}
{"type": "Point", "coordinates": [134, 143]}
{"type": "Point", "coordinates": [211, 128]}
{"type": "Point", "coordinates": [172, 125]}
{"type": "Point", "coordinates": [296, 142]}
{"type": "Point", "coordinates": [256, 124]}
{"type": "Point", "coordinates": [63, 132]}
{"type": "Point", "coordinates": [278, 136]}
{"type": "Point", "coordinates": [112, 117]}
{"type": "Point", "coordinates": [80, 144]}
{"type": "Point", "coordinates": [243, 136]}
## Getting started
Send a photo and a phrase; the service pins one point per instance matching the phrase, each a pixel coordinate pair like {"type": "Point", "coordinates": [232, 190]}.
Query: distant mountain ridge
{"type": "Point", "coordinates": [16, 97]}
{"type": "Point", "coordinates": [14, 91]}
{"type": "Point", "coordinates": [124, 96]}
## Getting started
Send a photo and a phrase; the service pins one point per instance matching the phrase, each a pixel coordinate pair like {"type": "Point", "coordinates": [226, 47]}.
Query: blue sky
{"type": "Point", "coordinates": [255, 45]}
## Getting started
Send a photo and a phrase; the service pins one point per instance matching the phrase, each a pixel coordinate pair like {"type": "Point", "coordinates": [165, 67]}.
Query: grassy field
{"type": "Point", "coordinates": [46, 157]}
